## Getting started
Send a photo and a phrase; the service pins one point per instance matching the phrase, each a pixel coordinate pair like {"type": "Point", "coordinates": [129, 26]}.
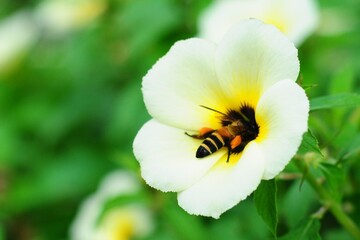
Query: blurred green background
{"type": "Point", "coordinates": [71, 104]}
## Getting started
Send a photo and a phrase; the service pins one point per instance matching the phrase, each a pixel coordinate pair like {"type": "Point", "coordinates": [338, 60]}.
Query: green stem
{"type": "Point", "coordinates": [329, 202]}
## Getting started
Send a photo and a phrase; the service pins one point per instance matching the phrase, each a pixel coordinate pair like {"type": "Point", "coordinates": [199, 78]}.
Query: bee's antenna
{"type": "Point", "coordinates": [214, 110]}
{"type": "Point", "coordinates": [211, 109]}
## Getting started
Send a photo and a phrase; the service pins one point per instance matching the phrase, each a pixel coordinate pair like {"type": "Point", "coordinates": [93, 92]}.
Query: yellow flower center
{"type": "Point", "coordinates": [89, 10]}
{"type": "Point", "coordinates": [276, 18]}
{"type": "Point", "coordinates": [118, 225]}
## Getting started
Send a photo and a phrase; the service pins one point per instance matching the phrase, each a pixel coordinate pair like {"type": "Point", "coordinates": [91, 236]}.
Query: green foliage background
{"type": "Point", "coordinates": [69, 111]}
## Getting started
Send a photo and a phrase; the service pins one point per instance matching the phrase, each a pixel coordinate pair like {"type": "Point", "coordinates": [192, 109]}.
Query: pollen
{"type": "Point", "coordinates": [205, 130]}
{"type": "Point", "coordinates": [235, 142]}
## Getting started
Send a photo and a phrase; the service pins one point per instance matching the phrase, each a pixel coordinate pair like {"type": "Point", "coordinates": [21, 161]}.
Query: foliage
{"type": "Point", "coordinates": [265, 202]}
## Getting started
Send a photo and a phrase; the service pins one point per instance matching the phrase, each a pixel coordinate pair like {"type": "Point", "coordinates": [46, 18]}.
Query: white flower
{"type": "Point", "coordinates": [336, 21]}
{"type": "Point", "coordinates": [295, 18]}
{"type": "Point", "coordinates": [253, 70]}
{"type": "Point", "coordinates": [119, 223]}
{"type": "Point", "coordinates": [17, 34]}
{"type": "Point", "coordinates": [61, 16]}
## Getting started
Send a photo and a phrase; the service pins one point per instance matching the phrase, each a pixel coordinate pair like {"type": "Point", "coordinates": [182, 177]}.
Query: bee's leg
{"type": "Point", "coordinates": [194, 136]}
{"type": "Point", "coordinates": [229, 153]}
{"type": "Point", "coordinates": [203, 133]}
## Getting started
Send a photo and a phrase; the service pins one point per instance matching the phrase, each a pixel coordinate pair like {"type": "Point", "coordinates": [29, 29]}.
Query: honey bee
{"type": "Point", "coordinates": [238, 129]}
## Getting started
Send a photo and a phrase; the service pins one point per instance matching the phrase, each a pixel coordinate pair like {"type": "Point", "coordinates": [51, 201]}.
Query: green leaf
{"type": "Point", "coordinates": [145, 22]}
{"type": "Point", "coordinates": [265, 202]}
{"type": "Point", "coordinates": [186, 227]}
{"type": "Point", "coordinates": [343, 80]}
{"type": "Point", "coordinates": [305, 230]}
{"type": "Point", "coordinates": [336, 100]}
{"type": "Point", "coordinates": [303, 200]}
{"type": "Point", "coordinates": [335, 177]}
{"type": "Point", "coordinates": [352, 148]}
{"type": "Point", "coordinates": [309, 144]}
{"type": "Point", "coordinates": [2, 232]}
{"type": "Point", "coordinates": [238, 223]}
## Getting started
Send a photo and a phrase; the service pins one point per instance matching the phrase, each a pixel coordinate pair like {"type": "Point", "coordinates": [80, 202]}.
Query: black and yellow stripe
{"type": "Point", "coordinates": [210, 145]}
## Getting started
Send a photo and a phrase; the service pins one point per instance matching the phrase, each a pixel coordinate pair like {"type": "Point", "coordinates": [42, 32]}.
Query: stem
{"type": "Point", "coordinates": [329, 202]}
{"type": "Point", "coordinates": [320, 213]}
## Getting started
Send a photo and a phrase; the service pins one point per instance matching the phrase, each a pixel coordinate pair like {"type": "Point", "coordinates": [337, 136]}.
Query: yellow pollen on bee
{"type": "Point", "coordinates": [205, 130]}
{"type": "Point", "coordinates": [224, 133]}
{"type": "Point", "coordinates": [235, 142]}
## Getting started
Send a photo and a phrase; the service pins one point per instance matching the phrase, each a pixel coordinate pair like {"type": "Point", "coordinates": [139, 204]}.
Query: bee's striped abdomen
{"type": "Point", "coordinates": [210, 145]}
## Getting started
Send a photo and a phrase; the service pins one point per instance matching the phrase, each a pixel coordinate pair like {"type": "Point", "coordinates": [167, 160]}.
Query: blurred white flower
{"type": "Point", "coordinates": [58, 17]}
{"type": "Point", "coordinates": [295, 18]}
{"type": "Point", "coordinates": [335, 21]}
{"type": "Point", "coordinates": [17, 34]}
{"type": "Point", "coordinates": [94, 222]}
{"type": "Point", "coordinates": [237, 99]}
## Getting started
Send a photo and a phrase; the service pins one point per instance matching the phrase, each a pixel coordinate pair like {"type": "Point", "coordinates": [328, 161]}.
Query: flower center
{"type": "Point", "coordinates": [242, 123]}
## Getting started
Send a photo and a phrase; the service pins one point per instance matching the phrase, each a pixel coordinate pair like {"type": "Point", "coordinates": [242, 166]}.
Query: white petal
{"type": "Point", "coordinates": [295, 18]}
{"type": "Point", "coordinates": [84, 224]}
{"type": "Point", "coordinates": [180, 82]}
{"type": "Point", "coordinates": [251, 57]}
{"type": "Point", "coordinates": [167, 157]}
{"type": "Point", "coordinates": [220, 16]}
{"type": "Point", "coordinates": [118, 182]}
{"type": "Point", "coordinates": [225, 185]}
{"type": "Point", "coordinates": [301, 16]}
{"type": "Point", "coordinates": [125, 222]}
{"type": "Point", "coordinates": [282, 114]}
{"type": "Point", "coordinates": [17, 34]}
{"type": "Point", "coordinates": [59, 17]}
{"type": "Point", "coordinates": [114, 184]}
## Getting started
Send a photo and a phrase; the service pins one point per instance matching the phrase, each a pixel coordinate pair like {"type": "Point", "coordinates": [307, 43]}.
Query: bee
{"type": "Point", "coordinates": [237, 130]}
